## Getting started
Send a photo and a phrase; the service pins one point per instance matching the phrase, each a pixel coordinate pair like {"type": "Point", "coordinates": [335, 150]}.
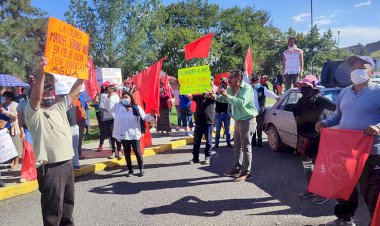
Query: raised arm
{"type": "Point", "coordinates": [38, 87]}
{"type": "Point", "coordinates": [75, 91]}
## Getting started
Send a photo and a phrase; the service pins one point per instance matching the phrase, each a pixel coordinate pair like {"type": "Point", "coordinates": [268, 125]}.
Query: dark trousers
{"type": "Point", "coordinates": [56, 184]}
{"type": "Point", "coordinates": [369, 184]}
{"type": "Point", "coordinates": [81, 125]}
{"type": "Point", "coordinates": [291, 79]}
{"type": "Point", "coordinates": [106, 132]}
{"type": "Point", "coordinates": [128, 145]}
{"type": "Point", "coordinates": [199, 131]}
{"type": "Point", "coordinates": [259, 130]}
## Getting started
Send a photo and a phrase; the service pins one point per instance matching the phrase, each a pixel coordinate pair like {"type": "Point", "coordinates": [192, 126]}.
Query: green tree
{"type": "Point", "coordinates": [121, 31]}
{"type": "Point", "coordinates": [22, 34]}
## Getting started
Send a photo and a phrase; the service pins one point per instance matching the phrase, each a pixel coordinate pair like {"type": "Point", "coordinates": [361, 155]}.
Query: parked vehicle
{"type": "Point", "coordinates": [279, 122]}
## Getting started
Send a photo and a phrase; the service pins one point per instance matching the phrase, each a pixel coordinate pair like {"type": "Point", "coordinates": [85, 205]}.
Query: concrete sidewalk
{"type": "Point", "coordinates": [94, 161]}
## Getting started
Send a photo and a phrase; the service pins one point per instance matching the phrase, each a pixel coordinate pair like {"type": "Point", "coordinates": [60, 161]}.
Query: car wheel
{"type": "Point", "coordinates": [274, 140]}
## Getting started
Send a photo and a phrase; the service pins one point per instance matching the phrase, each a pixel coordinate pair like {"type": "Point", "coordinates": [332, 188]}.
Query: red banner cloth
{"type": "Point", "coordinates": [248, 62]}
{"type": "Point", "coordinates": [146, 139]}
{"type": "Point", "coordinates": [199, 48]}
{"type": "Point", "coordinates": [91, 85]}
{"type": "Point", "coordinates": [218, 77]}
{"type": "Point", "coordinates": [341, 157]}
{"type": "Point", "coordinates": [147, 83]}
{"type": "Point", "coordinates": [376, 215]}
{"type": "Point", "coordinates": [28, 169]}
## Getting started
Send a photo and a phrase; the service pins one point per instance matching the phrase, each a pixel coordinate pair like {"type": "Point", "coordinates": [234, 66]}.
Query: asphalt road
{"type": "Point", "coordinates": [175, 193]}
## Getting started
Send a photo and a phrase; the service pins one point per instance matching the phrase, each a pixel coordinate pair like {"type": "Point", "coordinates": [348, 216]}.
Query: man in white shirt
{"type": "Point", "coordinates": [292, 64]}
{"type": "Point", "coordinates": [260, 93]}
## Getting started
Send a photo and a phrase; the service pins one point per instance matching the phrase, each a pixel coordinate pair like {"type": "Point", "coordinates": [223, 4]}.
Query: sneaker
{"type": "Point", "coordinates": [142, 173]}
{"type": "Point", "coordinates": [215, 146]}
{"type": "Point", "coordinates": [230, 146]}
{"type": "Point", "coordinates": [340, 222]}
{"type": "Point", "coordinates": [76, 167]}
{"type": "Point", "coordinates": [152, 129]}
{"type": "Point", "coordinates": [206, 162]}
{"type": "Point", "coordinates": [305, 195]}
{"type": "Point", "coordinates": [2, 183]}
{"type": "Point", "coordinates": [112, 156]}
{"type": "Point", "coordinates": [242, 177]}
{"type": "Point", "coordinates": [318, 200]}
{"type": "Point", "coordinates": [130, 173]}
{"type": "Point", "coordinates": [232, 173]}
{"type": "Point", "coordinates": [178, 128]}
{"type": "Point", "coordinates": [191, 162]}
{"type": "Point", "coordinates": [120, 156]}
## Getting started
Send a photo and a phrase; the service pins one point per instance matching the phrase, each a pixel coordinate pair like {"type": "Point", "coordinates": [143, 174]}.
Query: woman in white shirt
{"type": "Point", "coordinates": [127, 127]}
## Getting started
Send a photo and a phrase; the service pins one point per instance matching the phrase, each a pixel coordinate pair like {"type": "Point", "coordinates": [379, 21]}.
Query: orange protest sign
{"type": "Point", "coordinates": [66, 50]}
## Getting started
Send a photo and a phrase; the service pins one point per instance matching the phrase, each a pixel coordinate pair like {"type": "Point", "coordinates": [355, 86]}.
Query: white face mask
{"type": "Point", "coordinates": [359, 76]}
{"type": "Point", "coordinates": [125, 102]}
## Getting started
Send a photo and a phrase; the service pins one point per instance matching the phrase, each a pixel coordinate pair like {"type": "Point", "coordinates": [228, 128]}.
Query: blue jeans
{"type": "Point", "coordinates": [199, 131]}
{"type": "Point", "coordinates": [225, 119]}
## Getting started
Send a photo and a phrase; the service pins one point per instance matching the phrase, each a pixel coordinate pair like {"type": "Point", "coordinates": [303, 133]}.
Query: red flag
{"type": "Point", "coordinates": [341, 157]}
{"type": "Point", "coordinates": [199, 48]}
{"type": "Point", "coordinates": [376, 215]}
{"type": "Point", "coordinates": [165, 81]}
{"type": "Point", "coordinates": [28, 169]}
{"type": "Point", "coordinates": [248, 65]}
{"type": "Point", "coordinates": [148, 84]}
{"type": "Point", "coordinates": [91, 85]}
{"type": "Point", "coordinates": [218, 77]}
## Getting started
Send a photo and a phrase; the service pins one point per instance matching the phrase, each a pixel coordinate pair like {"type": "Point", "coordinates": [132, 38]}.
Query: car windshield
{"type": "Point", "coordinates": [331, 94]}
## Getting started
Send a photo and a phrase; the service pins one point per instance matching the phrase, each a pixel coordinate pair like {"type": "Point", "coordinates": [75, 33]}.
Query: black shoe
{"type": "Point", "coordinates": [254, 143]}
{"type": "Point", "coordinates": [216, 146]}
{"type": "Point", "coordinates": [259, 145]}
{"type": "Point", "coordinates": [230, 146]}
{"type": "Point", "coordinates": [130, 173]}
{"type": "Point", "coordinates": [191, 162]}
{"type": "Point", "coordinates": [142, 172]}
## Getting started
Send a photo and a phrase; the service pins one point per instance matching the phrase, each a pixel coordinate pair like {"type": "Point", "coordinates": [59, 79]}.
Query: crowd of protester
{"type": "Point", "coordinates": [121, 121]}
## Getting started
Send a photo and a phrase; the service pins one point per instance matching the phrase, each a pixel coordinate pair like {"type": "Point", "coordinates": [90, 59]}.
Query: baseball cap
{"type": "Point", "coordinates": [309, 80]}
{"type": "Point", "coordinates": [366, 59]}
{"type": "Point", "coordinates": [107, 83]}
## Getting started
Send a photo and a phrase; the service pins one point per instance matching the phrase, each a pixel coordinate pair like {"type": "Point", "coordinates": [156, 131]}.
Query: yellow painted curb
{"type": "Point", "coordinates": [30, 186]}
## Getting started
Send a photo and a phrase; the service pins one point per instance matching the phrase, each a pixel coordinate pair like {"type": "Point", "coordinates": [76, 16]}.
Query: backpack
{"type": "Point", "coordinates": [136, 111]}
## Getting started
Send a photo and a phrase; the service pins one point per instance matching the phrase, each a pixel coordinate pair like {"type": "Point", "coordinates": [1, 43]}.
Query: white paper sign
{"type": "Point", "coordinates": [63, 84]}
{"type": "Point", "coordinates": [112, 75]}
{"type": "Point", "coordinates": [7, 148]}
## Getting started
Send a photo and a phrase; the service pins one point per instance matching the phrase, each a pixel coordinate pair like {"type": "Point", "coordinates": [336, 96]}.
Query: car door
{"type": "Point", "coordinates": [286, 124]}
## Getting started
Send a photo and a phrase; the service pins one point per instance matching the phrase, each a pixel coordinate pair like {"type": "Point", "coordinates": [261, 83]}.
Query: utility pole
{"type": "Point", "coordinates": [338, 45]}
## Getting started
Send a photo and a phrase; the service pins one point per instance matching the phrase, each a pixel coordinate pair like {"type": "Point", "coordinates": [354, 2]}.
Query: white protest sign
{"type": "Point", "coordinates": [7, 148]}
{"type": "Point", "coordinates": [63, 84]}
{"type": "Point", "coordinates": [112, 75]}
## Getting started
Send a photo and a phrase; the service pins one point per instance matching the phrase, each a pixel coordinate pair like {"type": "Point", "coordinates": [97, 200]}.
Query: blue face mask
{"type": "Point", "coordinates": [256, 85]}
{"type": "Point", "coordinates": [125, 102]}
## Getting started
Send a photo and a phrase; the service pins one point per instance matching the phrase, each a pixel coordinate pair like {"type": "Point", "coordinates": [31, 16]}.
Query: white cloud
{"type": "Point", "coordinates": [301, 17]}
{"type": "Point", "coordinates": [324, 20]}
{"type": "Point", "coordinates": [352, 35]}
{"type": "Point", "coordinates": [363, 4]}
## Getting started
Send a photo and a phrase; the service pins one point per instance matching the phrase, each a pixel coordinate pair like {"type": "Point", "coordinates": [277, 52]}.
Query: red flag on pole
{"type": "Point", "coordinates": [148, 84]}
{"type": "Point", "coordinates": [376, 215]}
{"type": "Point", "coordinates": [248, 65]}
{"type": "Point", "coordinates": [91, 85]}
{"type": "Point", "coordinates": [341, 157]}
{"type": "Point", "coordinates": [199, 48]}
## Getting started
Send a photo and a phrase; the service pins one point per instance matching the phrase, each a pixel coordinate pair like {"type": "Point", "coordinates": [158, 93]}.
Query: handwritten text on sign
{"type": "Point", "coordinates": [66, 50]}
{"type": "Point", "coordinates": [194, 80]}
{"type": "Point", "coordinates": [7, 148]}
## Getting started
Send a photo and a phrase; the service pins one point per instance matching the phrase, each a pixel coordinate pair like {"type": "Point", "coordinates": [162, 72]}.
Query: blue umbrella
{"type": "Point", "coordinates": [11, 81]}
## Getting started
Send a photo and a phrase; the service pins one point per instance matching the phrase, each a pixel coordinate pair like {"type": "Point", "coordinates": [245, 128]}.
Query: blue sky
{"type": "Point", "coordinates": [357, 20]}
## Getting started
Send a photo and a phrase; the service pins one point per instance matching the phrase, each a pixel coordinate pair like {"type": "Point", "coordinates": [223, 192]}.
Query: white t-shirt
{"type": "Point", "coordinates": [106, 113]}
{"type": "Point", "coordinates": [292, 61]}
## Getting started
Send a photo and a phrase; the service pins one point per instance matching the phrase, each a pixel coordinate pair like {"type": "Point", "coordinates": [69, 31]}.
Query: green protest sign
{"type": "Point", "coordinates": [194, 80]}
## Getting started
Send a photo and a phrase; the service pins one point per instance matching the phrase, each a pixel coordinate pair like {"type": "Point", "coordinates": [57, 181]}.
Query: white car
{"type": "Point", "coordinates": [279, 122]}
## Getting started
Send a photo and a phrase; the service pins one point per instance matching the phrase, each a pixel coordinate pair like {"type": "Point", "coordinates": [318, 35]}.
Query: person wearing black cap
{"type": "Point", "coordinates": [358, 108]}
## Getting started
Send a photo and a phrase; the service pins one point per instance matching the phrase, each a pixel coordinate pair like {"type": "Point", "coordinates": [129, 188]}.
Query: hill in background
{"type": "Point", "coordinates": [372, 49]}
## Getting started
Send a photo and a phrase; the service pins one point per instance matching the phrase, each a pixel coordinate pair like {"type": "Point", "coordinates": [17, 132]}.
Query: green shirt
{"type": "Point", "coordinates": [240, 107]}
